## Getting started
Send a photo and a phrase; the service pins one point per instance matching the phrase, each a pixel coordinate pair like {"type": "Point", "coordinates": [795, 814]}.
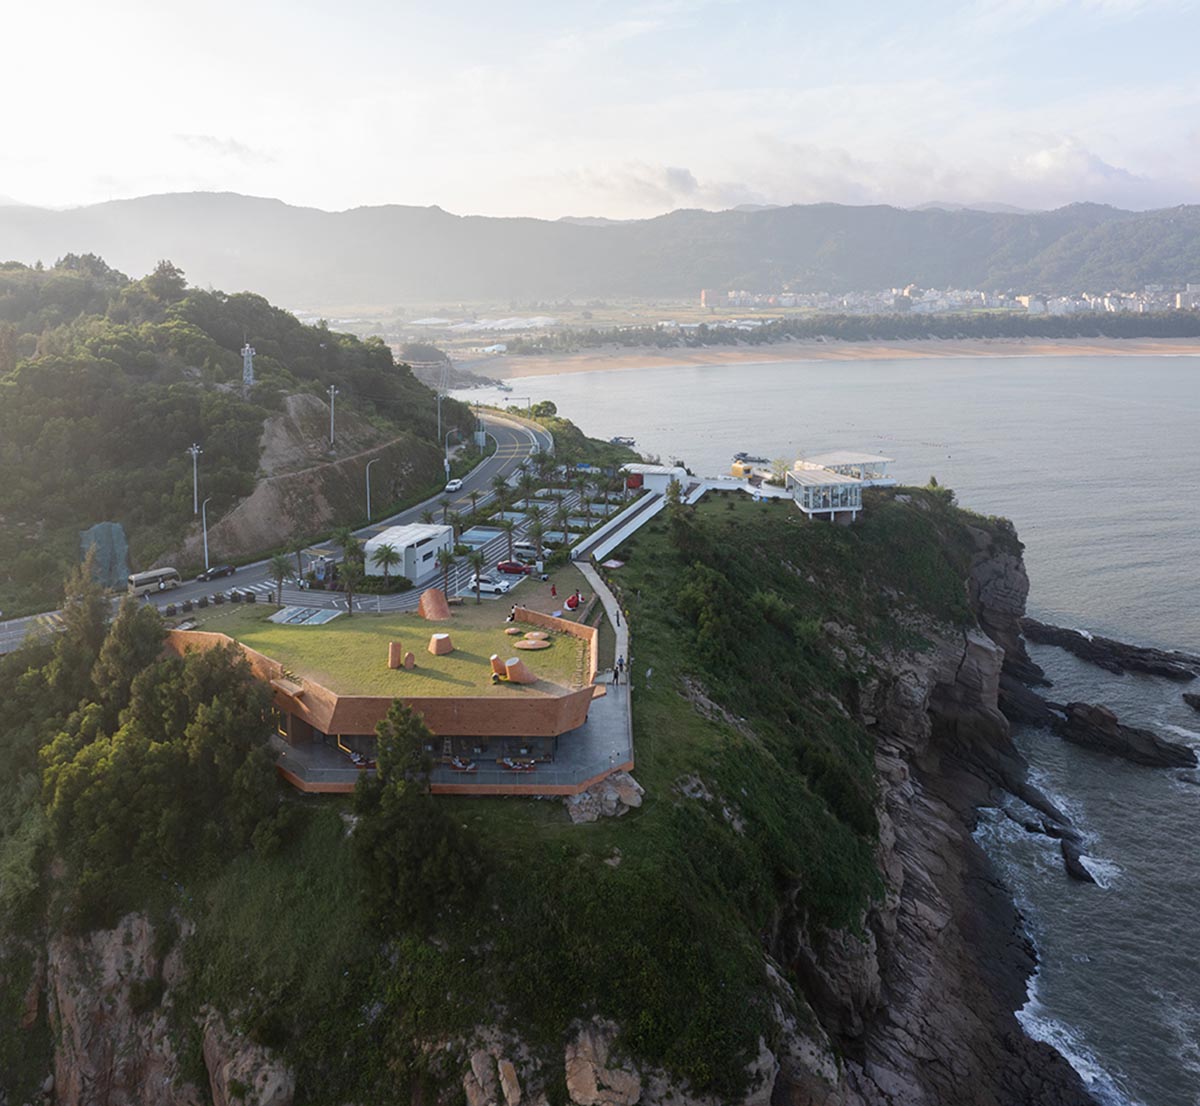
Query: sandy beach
{"type": "Point", "coordinates": [606, 359]}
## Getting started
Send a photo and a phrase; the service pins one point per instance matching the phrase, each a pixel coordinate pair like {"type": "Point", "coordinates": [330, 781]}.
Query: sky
{"type": "Point", "coordinates": [620, 110]}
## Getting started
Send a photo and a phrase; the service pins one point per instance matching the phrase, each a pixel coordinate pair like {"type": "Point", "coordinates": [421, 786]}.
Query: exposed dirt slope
{"type": "Point", "coordinates": [305, 487]}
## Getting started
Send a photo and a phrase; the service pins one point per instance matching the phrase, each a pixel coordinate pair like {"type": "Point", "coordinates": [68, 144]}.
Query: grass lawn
{"type": "Point", "coordinates": [349, 654]}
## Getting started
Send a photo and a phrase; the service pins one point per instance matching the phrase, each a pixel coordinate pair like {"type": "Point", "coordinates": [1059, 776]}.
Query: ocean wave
{"type": "Point", "coordinates": [1181, 731]}
{"type": "Point", "coordinates": [1182, 1021]}
{"type": "Point", "coordinates": [1038, 1024]}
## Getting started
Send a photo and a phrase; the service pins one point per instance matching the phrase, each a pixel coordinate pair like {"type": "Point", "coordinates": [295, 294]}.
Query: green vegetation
{"type": "Point", "coordinates": [105, 381]}
{"type": "Point", "coordinates": [349, 951]}
{"type": "Point", "coordinates": [875, 328]}
{"type": "Point", "coordinates": [349, 656]}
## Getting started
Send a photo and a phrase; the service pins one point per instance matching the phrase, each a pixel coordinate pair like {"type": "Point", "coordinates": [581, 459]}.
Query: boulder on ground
{"type": "Point", "coordinates": [410, 662]}
{"type": "Point", "coordinates": [395, 654]}
{"type": "Point", "coordinates": [440, 645]}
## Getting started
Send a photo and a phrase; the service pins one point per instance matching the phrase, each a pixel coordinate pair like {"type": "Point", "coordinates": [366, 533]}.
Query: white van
{"type": "Point", "coordinates": [525, 551]}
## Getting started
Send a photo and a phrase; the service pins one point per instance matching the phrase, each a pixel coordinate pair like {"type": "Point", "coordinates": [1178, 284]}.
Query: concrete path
{"type": "Point", "coordinates": [616, 708]}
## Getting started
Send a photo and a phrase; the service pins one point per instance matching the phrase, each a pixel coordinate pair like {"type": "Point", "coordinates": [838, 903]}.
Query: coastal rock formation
{"type": "Point", "coordinates": [110, 1051]}
{"type": "Point", "coordinates": [998, 586]}
{"type": "Point", "coordinates": [110, 992]}
{"type": "Point", "coordinates": [1192, 699]}
{"type": "Point", "coordinates": [1096, 727]}
{"type": "Point", "coordinates": [919, 1000]}
{"type": "Point", "coordinates": [1115, 656]}
{"type": "Point", "coordinates": [240, 1071]}
{"type": "Point", "coordinates": [592, 1080]}
{"type": "Point", "coordinates": [1073, 861]}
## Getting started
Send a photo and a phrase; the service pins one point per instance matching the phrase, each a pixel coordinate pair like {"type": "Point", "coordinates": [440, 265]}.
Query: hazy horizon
{"type": "Point", "coordinates": [617, 111]}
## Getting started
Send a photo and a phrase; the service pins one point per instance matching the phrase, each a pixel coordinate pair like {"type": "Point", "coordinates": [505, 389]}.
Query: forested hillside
{"type": "Point", "coordinates": [395, 255]}
{"type": "Point", "coordinates": [104, 383]}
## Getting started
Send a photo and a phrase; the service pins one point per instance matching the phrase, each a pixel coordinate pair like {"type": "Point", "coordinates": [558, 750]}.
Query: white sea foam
{"type": "Point", "coordinates": [1182, 731]}
{"type": "Point", "coordinates": [1104, 872]}
{"type": "Point", "coordinates": [1182, 1019]}
{"type": "Point", "coordinates": [1068, 1043]}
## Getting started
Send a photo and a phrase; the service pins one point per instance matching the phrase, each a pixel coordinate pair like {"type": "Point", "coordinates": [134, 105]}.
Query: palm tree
{"type": "Point", "coordinates": [474, 500]}
{"type": "Point", "coordinates": [509, 527]}
{"type": "Point", "coordinates": [279, 567]}
{"type": "Point", "coordinates": [426, 517]}
{"type": "Point", "coordinates": [386, 557]}
{"type": "Point", "coordinates": [351, 547]}
{"type": "Point", "coordinates": [475, 560]}
{"type": "Point", "coordinates": [299, 563]}
{"type": "Point", "coordinates": [352, 574]}
{"type": "Point", "coordinates": [444, 503]}
{"type": "Point", "coordinates": [527, 483]}
{"type": "Point", "coordinates": [536, 532]}
{"type": "Point", "coordinates": [456, 524]}
{"type": "Point", "coordinates": [501, 488]}
{"type": "Point", "coordinates": [445, 561]}
{"type": "Point", "coordinates": [560, 519]}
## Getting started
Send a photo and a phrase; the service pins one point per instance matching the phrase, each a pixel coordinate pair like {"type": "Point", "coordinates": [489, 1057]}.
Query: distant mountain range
{"type": "Point", "coordinates": [392, 255]}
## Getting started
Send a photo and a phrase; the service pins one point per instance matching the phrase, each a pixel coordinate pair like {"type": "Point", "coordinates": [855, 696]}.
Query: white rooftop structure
{"type": "Point", "coordinates": [870, 468]}
{"type": "Point", "coordinates": [417, 545]}
{"type": "Point", "coordinates": [822, 492]}
{"type": "Point", "coordinates": [657, 477]}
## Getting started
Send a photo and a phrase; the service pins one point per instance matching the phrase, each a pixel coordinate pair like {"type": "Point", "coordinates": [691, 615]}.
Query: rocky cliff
{"type": "Point", "coordinates": [110, 997]}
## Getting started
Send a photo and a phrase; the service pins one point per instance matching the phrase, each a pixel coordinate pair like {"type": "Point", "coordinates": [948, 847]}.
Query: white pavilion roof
{"type": "Point", "coordinates": [818, 477]}
{"type": "Point", "coordinates": [848, 457]}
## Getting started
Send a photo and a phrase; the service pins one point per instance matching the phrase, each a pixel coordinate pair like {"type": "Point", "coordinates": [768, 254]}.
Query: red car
{"type": "Point", "coordinates": [514, 568]}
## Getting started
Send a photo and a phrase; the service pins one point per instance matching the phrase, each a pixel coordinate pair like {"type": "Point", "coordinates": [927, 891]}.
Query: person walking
{"type": "Point", "coordinates": [620, 667]}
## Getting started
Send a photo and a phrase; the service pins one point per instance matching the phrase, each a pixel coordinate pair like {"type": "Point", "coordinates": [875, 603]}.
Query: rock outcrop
{"type": "Point", "coordinates": [1192, 699]}
{"type": "Point", "coordinates": [1115, 656]}
{"type": "Point", "coordinates": [920, 1001]}
{"type": "Point", "coordinates": [110, 992]}
{"type": "Point", "coordinates": [610, 798]}
{"type": "Point", "coordinates": [241, 1072]}
{"type": "Point", "coordinates": [1096, 727]}
{"type": "Point", "coordinates": [111, 1049]}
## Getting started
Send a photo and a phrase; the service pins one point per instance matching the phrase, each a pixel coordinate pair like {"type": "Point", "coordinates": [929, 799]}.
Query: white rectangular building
{"type": "Point", "coordinates": [417, 545]}
{"type": "Point", "coordinates": [657, 477]}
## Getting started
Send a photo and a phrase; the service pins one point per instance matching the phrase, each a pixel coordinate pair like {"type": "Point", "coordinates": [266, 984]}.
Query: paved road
{"type": "Point", "coordinates": [514, 443]}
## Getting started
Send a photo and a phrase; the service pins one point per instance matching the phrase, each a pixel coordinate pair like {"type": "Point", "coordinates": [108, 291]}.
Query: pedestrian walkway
{"type": "Point", "coordinates": [619, 711]}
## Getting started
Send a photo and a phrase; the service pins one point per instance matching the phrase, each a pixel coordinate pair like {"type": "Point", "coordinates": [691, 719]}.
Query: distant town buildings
{"type": "Point", "coordinates": [933, 301]}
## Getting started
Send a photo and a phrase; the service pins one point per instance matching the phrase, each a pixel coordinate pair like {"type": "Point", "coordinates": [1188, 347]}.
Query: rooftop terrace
{"type": "Point", "coordinates": [349, 655]}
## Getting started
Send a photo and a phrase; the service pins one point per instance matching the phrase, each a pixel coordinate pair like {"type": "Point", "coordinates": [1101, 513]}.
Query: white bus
{"type": "Point", "coordinates": [157, 579]}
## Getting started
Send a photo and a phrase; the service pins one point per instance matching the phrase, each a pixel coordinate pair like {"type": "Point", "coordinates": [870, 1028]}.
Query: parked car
{"type": "Point", "coordinates": [514, 568]}
{"type": "Point", "coordinates": [454, 485]}
{"type": "Point", "coordinates": [526, 551]}
{"type": "Point", "coordinates": [217, 571]}
{"type": "Point", "coordinates": [488, 586]}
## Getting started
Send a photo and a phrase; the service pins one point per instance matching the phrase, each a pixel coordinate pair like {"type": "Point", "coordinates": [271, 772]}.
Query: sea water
{"type": "Point", "coordinates": [1097, 461]}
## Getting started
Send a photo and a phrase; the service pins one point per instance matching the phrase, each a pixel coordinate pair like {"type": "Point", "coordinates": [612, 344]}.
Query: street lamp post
{"type": "Point", "coordinates": [195, 451]}
{"type": "Point", "coordinates": [333, 393]}
{"type": "Point", "coordinates": [204, 527]}
{"type": "Point", "coordinates": [446, 457]}
{"type": "Point", "coordinates": [369, 464]}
